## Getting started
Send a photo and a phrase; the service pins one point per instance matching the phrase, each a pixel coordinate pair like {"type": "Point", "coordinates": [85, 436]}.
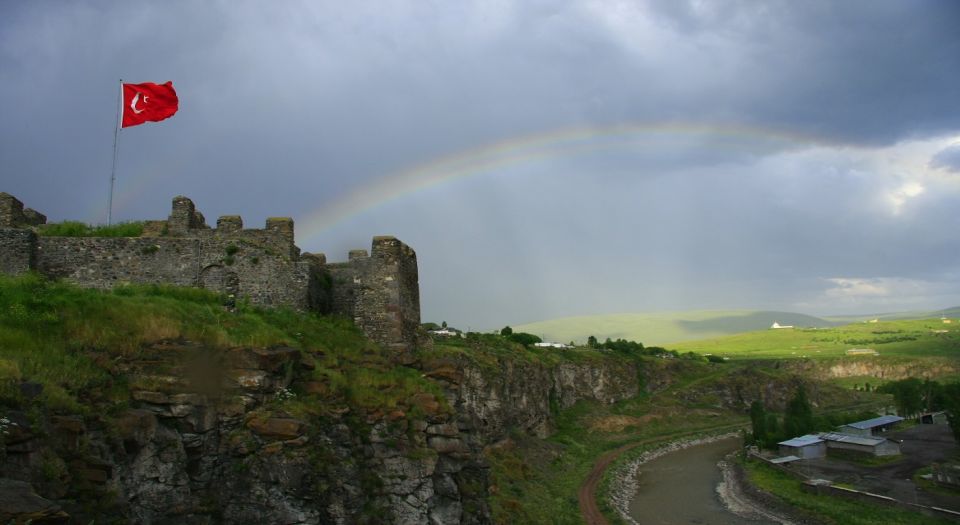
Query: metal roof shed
{"type": "Point", "coordinates": [875, 446]}
{"type": "Point", "coordinates": [804, 447]}
{"type": "Point", "coordinates": [869, 427]}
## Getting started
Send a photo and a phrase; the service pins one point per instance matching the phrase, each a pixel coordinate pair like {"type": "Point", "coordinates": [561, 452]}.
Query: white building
{"type": "Point", "coordinates": [551, 345]}
{"type": "Point", "coordinates": [804, 447]}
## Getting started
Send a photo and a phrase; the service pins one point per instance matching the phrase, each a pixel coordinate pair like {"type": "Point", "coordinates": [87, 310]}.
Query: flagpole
{"type": "Point", "coordinates": [113, 171]}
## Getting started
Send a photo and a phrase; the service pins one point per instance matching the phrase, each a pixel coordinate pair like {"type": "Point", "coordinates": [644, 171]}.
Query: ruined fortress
{"type": "Point", "coordinates": [379, 290]}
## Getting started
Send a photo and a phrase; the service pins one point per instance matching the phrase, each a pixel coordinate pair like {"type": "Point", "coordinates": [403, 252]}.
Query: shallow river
{"type": "Point", "coordinates": [681, 487]}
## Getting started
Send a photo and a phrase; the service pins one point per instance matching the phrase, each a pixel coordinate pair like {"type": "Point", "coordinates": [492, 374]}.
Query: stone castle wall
{"type": "Point", "coordinates": [379, 292]}
{"type": "Point", "coordinates": [18, 251]}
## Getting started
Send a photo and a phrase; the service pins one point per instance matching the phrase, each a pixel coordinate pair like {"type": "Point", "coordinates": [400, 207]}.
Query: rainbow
{"type": "Point", "coordinates": [528, 148]}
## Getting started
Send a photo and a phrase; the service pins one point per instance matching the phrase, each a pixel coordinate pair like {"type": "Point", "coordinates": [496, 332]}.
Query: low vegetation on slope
{"type": "Point", "coordinates": [665, 328]}
{"type": "Point", "coordinates": [79, 229]}
{"type": "Point", "coordinates": [682, 399]}
{"type": "Point", "coordinates": [908, 339]}
{"type": "Point", "coordinates": [66, 339]}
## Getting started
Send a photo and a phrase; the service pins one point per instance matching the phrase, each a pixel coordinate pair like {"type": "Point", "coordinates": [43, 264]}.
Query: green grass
{"type": "Point", "coordinates": [830, 509]}
{"type": "Point", "coordinates": [901, 339]}
{"type": "Point", "coordinates": [486, 350]}
{"type": "Point", "coordinates": [529, 475]}
{"type": "Point", "coordinates": [79, 229]}
{"type": "Point", "coordinates": [66, 338]}
{"type": "Point", "coordinates": [664, 327]}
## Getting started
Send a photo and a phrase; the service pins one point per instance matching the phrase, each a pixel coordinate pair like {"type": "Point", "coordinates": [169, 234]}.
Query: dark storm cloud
{"type": "Point", "coordinates": [288, 107]}
{"type": "Point", "coordinates": [947, 158]}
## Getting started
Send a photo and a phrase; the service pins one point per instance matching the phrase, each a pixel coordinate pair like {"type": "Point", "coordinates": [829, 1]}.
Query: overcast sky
{"type": "Point", "coordinates": [544, 158]}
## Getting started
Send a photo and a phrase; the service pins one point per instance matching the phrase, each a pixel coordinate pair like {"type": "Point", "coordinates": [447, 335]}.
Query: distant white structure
{"type": "Point", "coordinates": [551, 345]}
{"type": "Point", "coordinates": [874, 321]}
{"type": "Point", "coordinates": [445, 332]}
{"type": "Point", "coordinates": [778, 326]}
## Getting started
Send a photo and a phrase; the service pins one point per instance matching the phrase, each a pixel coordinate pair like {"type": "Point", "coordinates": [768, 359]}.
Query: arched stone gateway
{"type": "Point", "coordinates": [216, 278]}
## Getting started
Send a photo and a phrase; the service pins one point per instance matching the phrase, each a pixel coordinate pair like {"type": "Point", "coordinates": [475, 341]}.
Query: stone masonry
{"type": "Point", "coordinates": [380, 291]}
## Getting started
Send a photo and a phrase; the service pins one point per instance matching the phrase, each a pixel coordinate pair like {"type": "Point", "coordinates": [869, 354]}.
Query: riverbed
{"type": "Point", "coordinates": [681, 487]}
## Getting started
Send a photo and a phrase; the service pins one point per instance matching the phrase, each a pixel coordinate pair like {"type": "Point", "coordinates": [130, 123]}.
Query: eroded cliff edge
{"type": "Point", "coordinates": [251, 435]}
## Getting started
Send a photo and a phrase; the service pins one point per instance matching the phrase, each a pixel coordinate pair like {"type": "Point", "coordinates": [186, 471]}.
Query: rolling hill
{"type": "Point", "coordinates": [953, 312]}
{"type": "Point", "coordinates": [666, 327]}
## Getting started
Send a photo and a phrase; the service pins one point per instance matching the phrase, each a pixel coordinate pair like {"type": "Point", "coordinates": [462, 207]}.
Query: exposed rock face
{"type": "Point", "coordinates": [206, 440]}
{"type": "Point", "coordinates": [515, 394]}
{"type": "Point", "coordinates": [205, 443]}
{"type": "Point", "coordinates": [20, 504]}
{"type": "Point", "coordinates": [872, 367]}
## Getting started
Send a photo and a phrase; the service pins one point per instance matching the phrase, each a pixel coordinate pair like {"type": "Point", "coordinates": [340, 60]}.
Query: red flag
{"type": "Point", "coordinates": [148, 102]}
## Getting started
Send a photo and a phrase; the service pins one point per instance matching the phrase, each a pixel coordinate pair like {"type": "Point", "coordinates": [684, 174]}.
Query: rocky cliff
{"type": "Point", "coordinates": [880, 368]}
{"type": "Point", "coordinates": [507, 394]}
{"type": "Point", "coordinates": [229, 436]}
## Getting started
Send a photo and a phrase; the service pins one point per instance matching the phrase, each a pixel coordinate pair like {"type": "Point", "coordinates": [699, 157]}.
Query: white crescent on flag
{"type": "Point", "coordinates": [133, 103]}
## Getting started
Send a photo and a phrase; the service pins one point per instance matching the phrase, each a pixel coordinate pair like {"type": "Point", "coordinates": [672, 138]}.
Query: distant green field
{"type": "Point", "coordinates": [665, 327]}
{"type": "Point", "coordinates": [911, 338]}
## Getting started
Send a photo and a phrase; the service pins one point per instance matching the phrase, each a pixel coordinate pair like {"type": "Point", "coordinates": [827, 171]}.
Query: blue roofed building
{"type": "Point", "coordinates": [871, 427]}
{"type": "Point", "coordinates": [804, 447]}
{"type": "Point", "coordinates": [871, 446]}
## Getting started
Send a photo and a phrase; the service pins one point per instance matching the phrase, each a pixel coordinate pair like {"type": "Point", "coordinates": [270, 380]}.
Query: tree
{"type": "Point", "coordinates": [443, 324]}
{"type": "Point", "coordinates": [932, 395]}
{"type": "Point", "coordinates": [951, 403]}
{"type": "Point", "coordinates": [772, 427]}
{"type": "Point", "coordinates": [592, 342]}
{"type": "Point", "coordinates": [758, 421]}
{"type": "Point", "coordinates": [506, 331]}
{"type": "Point", "coordinates": [524, 338]}
{"type": "Point", "coordinates": [907, 395]}
{"type": "Point", "coordinates": [798, 418]}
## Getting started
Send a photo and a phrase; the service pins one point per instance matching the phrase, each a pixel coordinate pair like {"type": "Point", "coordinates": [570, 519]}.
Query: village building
{"type": "Point", "coordinates": [873, 446]}
{"type": "Point", "coordinates": [804, 447]}
{"type": "Point", "coordinates": [546, 344]}
{"type": "Point", "coordinates": [871, 427]}
{"type": "Point", "coordinates": [445, 332]}
{"type": "Point", "coordinates": [934, 418]}
{"type": "Point", "coordinates": [777, 326]}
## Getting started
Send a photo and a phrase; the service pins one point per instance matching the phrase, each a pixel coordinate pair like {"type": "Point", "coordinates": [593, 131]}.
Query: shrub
{"type": "Point", "coordinates": [79, 229]}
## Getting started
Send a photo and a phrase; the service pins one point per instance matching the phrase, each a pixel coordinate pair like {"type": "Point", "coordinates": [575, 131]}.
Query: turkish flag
{"type": "Point", "coordinates": [148, 102]}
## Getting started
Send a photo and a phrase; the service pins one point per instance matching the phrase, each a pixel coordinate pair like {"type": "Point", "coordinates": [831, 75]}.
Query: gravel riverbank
{"type": "Point", "coordinates": [624, 484]}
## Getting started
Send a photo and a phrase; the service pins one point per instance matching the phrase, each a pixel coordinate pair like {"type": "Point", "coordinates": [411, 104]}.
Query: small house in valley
{"type": "Point", "coordinates": [871, 427]}
{"type": "Point", "coordinates": [933, 418]}
{"type": "Point", "coordinates": [804, 447]}
{"type": "Point", "coordinates": [873, 446]}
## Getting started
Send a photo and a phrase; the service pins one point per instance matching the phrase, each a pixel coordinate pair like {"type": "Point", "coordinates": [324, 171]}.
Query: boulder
{"type": "Point", "coordinates": [20, 504]}
{"type": "Point", "coordinates": [281, 428]}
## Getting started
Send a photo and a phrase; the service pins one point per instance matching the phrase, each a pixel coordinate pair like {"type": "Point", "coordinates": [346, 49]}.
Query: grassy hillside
{"type": "Point", "coordinates": [665, 327]}
{"type": "Point", "coordinates": [907, 338]}
{"type": "Point", "coordinates": [67, 339]}
{"type": "Point", "coordinates": [897, 316]}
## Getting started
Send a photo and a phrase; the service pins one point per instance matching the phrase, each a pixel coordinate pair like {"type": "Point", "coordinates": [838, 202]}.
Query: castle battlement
{"type": "Point", "coordinates": [379, 289]}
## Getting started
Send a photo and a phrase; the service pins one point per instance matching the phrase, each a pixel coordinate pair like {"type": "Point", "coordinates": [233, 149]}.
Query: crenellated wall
{"type": "Point", "coordinates": [380, 292]}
